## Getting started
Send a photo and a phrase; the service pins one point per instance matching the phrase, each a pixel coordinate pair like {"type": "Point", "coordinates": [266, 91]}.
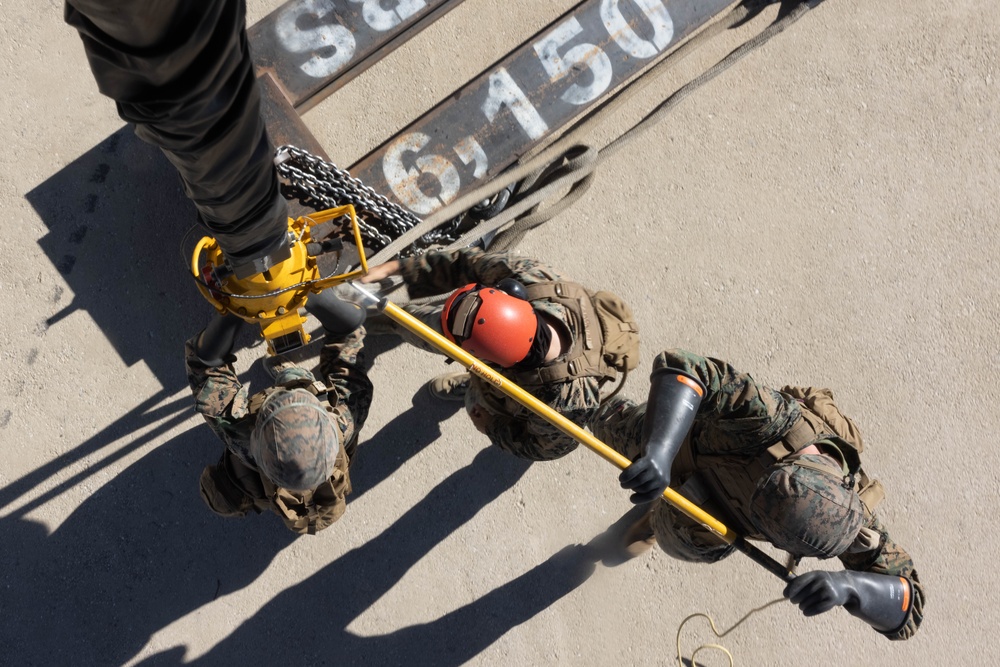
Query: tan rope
{"type": "Point", "coordinates": [567, 165]}
{"type": "Point", "coordinates": [719, 635]}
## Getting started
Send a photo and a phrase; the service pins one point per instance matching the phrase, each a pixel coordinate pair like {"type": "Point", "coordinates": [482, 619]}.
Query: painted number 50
{"type": "Point", "coordinates": [590, 56]}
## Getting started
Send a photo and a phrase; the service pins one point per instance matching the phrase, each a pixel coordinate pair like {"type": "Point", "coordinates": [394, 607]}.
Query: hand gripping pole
{"type": "Point", "coordinates": [509, 388]}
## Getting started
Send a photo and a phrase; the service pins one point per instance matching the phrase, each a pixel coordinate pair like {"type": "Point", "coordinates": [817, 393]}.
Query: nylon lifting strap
{"type": "Point", "coordinates": [546, 174]}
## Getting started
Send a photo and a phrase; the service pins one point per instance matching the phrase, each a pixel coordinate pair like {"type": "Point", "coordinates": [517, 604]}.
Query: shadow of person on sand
{"type": "Point", "coordinates": [307, 624]}
{"type": "Point", "coordinates": [142, 551]}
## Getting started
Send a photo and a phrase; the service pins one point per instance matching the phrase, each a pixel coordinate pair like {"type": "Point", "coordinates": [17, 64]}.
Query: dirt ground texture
{"type": "Point", "coordinates": [824, 213]}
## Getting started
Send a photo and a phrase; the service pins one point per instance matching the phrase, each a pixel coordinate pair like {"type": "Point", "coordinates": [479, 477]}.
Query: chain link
{"type": "Point", "coordinates": [322, 185]}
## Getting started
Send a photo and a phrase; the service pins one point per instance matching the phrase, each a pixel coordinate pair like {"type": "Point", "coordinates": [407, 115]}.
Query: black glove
{"type": "Point", "coordinates": [673, 401]}
{"type": "Point", "coordinates": [215, 342]}
{"type": "Point", "coordinates": [338, 317]}
{"type": "Point", "coordinates": [880, 600]}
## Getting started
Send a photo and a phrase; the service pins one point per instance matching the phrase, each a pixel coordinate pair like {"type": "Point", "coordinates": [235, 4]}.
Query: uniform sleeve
{"type": "Point", "coordinates": [737, 414]}
{"type": "Point", "coordinates": [440, 271]}
{"type": "Point", "coordinates": [532, 437]}
{"type": "Point", "coordinates": [341, 361]}
{"type": "Point", "coordinates": [891, 559]}
{"type": "Point", "coordinates": [218, 394]}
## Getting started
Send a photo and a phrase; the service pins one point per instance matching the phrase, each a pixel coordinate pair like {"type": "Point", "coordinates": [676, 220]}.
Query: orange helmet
{"type": "Point", "coordinates": [490, 324]}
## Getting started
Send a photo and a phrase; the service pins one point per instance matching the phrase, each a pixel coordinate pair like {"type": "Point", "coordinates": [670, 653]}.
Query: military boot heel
{"type": "Point", "coordinates": [629, 537]}
{"type": "Point", "coordinates": [450, 387]}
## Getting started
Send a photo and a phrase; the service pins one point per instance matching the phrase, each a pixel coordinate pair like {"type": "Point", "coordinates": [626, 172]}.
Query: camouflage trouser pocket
{"type": "Point", "coordinates": [618, 424]}
{"type": "Point", "coordinates": [220, 493]}
{"type": "Point", "coordinates": [681, 536]}
{"type": "Point", "coordinates": [684, 538]}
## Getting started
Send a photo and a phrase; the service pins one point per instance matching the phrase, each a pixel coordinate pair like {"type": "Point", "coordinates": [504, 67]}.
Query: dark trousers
{"type": "Point", "coordinates": [180, 70]}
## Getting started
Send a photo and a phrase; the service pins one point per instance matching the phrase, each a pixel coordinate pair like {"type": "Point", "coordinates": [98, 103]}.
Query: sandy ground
{"type": "Point", "coordinates": [824, 213]}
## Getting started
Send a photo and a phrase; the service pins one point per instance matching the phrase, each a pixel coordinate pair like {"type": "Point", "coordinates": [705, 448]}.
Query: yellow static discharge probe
{"type": "Point", "coordinates": [272, 299]}
{"type": "Point", "coordinates": [503, 384]}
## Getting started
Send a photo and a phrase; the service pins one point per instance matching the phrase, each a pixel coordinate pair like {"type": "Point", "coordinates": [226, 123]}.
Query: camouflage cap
{"type": "Point", "coordinates": [294, 442]}
{"type": "Point", "coordinates": [803, 506]}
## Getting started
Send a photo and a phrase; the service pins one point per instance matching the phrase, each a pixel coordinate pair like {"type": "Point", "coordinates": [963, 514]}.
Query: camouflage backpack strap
{"type": "Point", "coordinates": [819, 402]}
{"type": "Point", "coordinates": [310, 384]}
{"type": "Point", "coordinates": [317, 389]}
{"type": "Point", "coordinates": [828, 430]}
{"type": "Point", "coordinates": [585, 358]}
{"type": "Point", "coordinates": [804, 432]}
{"type": "Point", "coordinates": [820, 419]}
{"type": "Point", "coordinates": [297, 377]}
{"type": "Point", "coordinates": [833, 447]}
{"type": "Point", "coordinates": [257, 400]}
{"type": "Point", "coordinates": [810, 430]}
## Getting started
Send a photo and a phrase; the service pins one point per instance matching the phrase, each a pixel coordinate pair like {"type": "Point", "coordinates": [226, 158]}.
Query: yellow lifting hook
{"type": "Point", "coordinates": [272, 299]}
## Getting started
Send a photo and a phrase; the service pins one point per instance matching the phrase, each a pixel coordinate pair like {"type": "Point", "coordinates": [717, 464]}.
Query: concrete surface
{"type": "Point", "coordinates": [824, 213]}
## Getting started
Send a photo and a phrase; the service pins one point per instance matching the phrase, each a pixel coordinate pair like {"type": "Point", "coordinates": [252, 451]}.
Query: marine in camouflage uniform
{"type": "Point", "coordinates": [743, 463]}
{"type": "Point", "coordinates": [236, 484]}
{"type": "Point", "coordinates": [511, 426]}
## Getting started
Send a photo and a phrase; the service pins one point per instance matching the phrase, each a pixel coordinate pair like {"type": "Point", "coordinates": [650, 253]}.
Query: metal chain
{"type": "Point", "coordinates": [380, 220]}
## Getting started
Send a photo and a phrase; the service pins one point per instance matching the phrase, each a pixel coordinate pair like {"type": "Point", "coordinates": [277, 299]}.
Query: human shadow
{"type": "Point", "coordinates": [143, 551]}
{"type": "Point", "coordinates": [381, 455]}
{"type": "Point", "coordinates": [137, 554]}
{"type": "Point", "coordinates": [159, 414]}
{"type": "Point", "coordinates": [121, 233]}
{"type": "Point", "coordinates": [307, 623]}
{"type": "Point", "coordinates": [118, 226]}
{"type": "Point", "coordinates": [116, 217]}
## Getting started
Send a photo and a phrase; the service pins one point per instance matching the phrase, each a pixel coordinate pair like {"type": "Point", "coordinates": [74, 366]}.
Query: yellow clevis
{"type": "Point", "coordinates": [272, 299]}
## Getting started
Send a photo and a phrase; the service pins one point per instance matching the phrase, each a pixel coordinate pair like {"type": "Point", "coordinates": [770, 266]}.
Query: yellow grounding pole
{"type": "Point", "coordinates": [511, 389]}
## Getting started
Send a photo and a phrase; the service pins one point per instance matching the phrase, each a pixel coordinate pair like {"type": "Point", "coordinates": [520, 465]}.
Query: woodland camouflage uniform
{"type": "Point", "coordinates": [235, 485]}
{"type": "Point", "coordinates": [514, 428]}
{"type": "Point", "coordinates": [739, 425]}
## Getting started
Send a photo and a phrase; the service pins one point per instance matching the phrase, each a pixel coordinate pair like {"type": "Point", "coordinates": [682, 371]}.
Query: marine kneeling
{"type": "Point", "coordinates": [290, 446]}
{"type": "Point", "coordinates": [778, 466]}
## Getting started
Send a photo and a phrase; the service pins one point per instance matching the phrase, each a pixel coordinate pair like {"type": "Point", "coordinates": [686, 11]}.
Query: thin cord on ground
{"type": "Point", "coordinates": [720, 635]}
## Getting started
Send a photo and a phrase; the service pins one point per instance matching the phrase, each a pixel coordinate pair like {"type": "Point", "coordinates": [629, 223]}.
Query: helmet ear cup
{"type": "Point", "coordinates": [514, 288]}
{"type": "Point", "coordinates": [448, 313]}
